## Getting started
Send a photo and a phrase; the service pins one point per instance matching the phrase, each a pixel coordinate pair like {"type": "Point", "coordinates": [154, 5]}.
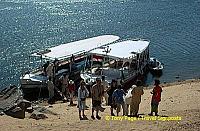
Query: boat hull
{"type": "Point", "coordinates": [134, 78]}
{"type": "Point", "coordinates": [156, 73]}
{"type": "Point", "coordinates": [33, 90]}
{"type": "Point", "coordinates": [127, 82]}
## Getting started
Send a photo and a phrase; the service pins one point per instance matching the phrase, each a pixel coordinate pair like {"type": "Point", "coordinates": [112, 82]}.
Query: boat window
{"type": "Point", "coordinates": [116, 64]}
{"type": "Point", "coordinates": [111, 72]}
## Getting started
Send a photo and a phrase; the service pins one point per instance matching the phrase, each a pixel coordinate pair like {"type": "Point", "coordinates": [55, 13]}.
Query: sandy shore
{"type": "Point", "coordinates": [178, 99]}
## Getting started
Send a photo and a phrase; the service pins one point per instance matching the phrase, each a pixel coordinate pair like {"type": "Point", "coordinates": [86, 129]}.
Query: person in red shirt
{"type": "Point", "coordinates": [156, 98]}
{"type": "Point", "coordinates": [71, 88]}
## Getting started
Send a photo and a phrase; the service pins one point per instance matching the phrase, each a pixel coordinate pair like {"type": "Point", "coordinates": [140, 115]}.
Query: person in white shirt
{"type": "Point", "coordinates": [83, 93]}
{"type": "Point", "coordinates": [105, 86]}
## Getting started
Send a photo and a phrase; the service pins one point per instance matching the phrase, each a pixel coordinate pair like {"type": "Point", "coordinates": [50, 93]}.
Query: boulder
{"type": "Point", "coordinates": [24, 104]}
{"type": "Point", "coordinates": [16, 112]}
{"type": "Point", "coordinates": [38, 115]}
{"type": "Point", "coordinates": [43, 110]}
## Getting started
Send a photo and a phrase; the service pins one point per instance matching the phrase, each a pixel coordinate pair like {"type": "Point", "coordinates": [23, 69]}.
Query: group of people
{"type": "Point", "coordinates": [115, 97]}
{"type": "Point", "coordinates": [67, 88]}
{"type": "Point", "coordinates": [97, 92]}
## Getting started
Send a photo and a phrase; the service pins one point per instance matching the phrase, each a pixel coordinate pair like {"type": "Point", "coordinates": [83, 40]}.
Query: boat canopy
{"type": "Point", "coordinates": [64, 51]}
{"type": "Point", "coordinates": [124, 49]}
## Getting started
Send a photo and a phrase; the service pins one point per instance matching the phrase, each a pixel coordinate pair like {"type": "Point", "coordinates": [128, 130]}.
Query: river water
{"type": "Point", "coordinates": [172, 26]}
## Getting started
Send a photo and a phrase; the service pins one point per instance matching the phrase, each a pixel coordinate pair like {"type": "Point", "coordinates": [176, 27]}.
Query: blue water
{"type": "Point", "coordinates": [172, 26]}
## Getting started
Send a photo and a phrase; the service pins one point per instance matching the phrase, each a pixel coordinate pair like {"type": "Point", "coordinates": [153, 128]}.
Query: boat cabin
{"type": "Point", "coordinates": [122, 61]}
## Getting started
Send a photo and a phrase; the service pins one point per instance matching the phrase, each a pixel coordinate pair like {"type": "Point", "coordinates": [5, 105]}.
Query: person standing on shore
{"type": "Point", "coordinates": [105, 86]}
{"type": "Point", "coordinates": [45, 68]}
{"type": "Point", "coordinates": [71, 88]}
{"type": "Point", "coordinates": [156, 98]}
{"type": "Point", "coordinates": [97, 92]}
{"type": "Point", "coordinates": [64, 81]}
{"type": "Point", "coordinates": [110, 91]}
{"type": "Point", "coordinates": [118, 96]}
{"type": "Point", "coordinates": [50, 86]}
{"type": "Point", "coordinates": [49, 71]}
{"type": "Point", "coordinates": [137, 92]}
{"type": "Point", "coordinates": [83, 93]}
{"type": "Point", "coordinates": [55, 70]}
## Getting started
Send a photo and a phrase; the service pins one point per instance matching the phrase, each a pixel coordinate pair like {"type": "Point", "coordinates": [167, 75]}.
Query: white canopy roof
{"type": "Point", "coordinates": [124, 49]}
{"type": "Point", "coordinates": [77, 47]}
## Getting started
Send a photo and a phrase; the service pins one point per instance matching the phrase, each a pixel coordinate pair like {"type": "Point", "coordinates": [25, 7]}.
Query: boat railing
{"type": "Point", "coordinates": [135, 39]}
{"type": "Point", "coordinates": [126, 39]}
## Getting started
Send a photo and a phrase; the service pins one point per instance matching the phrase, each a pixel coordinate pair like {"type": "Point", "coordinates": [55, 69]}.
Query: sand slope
{"type": "Point", "coordinates": [177, 100]}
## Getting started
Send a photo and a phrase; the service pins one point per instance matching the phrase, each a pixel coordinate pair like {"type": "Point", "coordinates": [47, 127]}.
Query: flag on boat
{"type": "Point", "coordinates": [97, 58]}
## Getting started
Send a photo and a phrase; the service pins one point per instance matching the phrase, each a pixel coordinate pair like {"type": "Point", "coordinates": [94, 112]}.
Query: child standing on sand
{"type": "Point", "coordinates": [156, 98]}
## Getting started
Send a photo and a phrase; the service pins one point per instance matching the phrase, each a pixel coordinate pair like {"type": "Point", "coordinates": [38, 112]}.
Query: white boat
{"type": "Point", "coordinates": [155, 65]}
{"type": "Point", "coordinates": [123, 61]}
{"type": "Point", "coordinates": [35, 82]}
